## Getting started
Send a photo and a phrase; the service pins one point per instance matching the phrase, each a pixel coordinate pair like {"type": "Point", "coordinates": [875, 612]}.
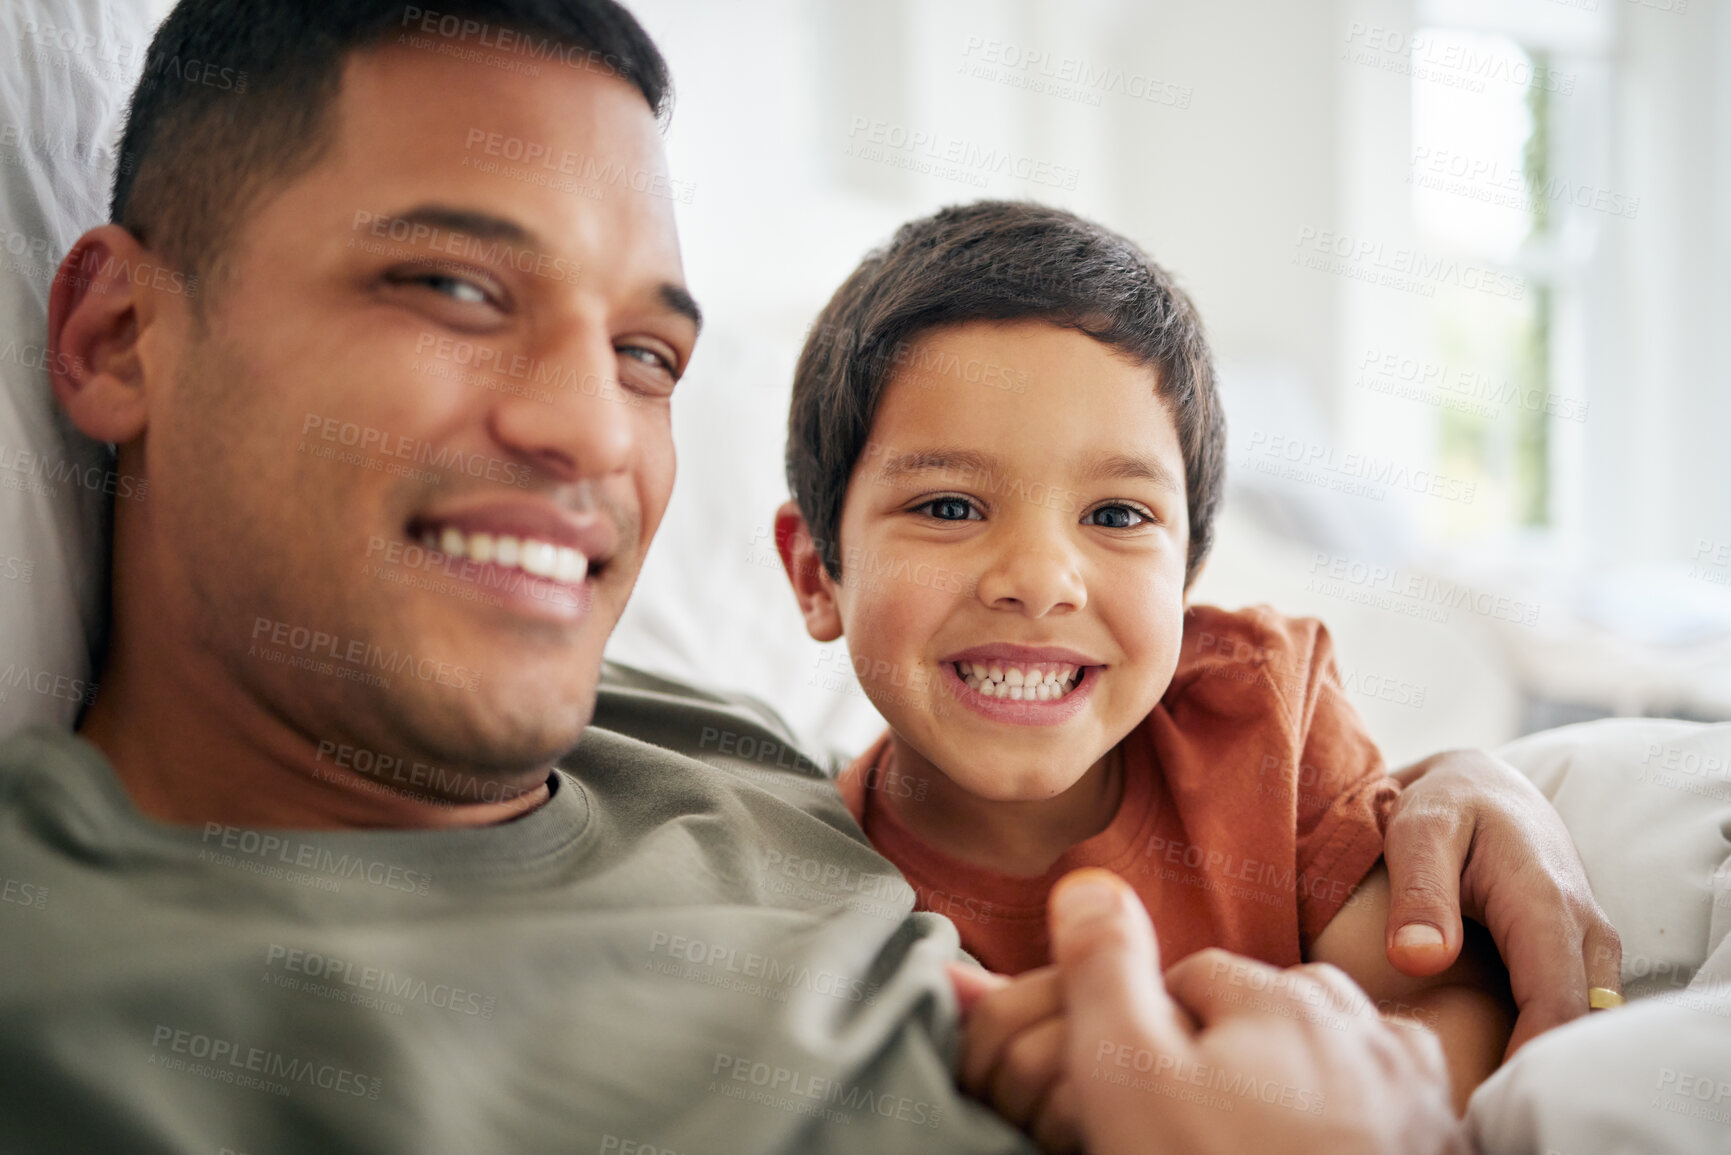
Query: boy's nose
{"type": "Point", "coordinates": [1036, 575]}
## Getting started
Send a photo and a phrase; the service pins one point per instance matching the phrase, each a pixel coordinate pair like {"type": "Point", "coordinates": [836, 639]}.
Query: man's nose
{"type": "Point", "coordinates": [570, 416]}
{"type": "Point", "coordinates": [1035, 570]}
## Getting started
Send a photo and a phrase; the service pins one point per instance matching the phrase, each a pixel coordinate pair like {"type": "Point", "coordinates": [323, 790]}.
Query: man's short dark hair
{"type": "Point", "coordinates": [236, 96]}
{"type": "Point", "coordinates": [995, 261]}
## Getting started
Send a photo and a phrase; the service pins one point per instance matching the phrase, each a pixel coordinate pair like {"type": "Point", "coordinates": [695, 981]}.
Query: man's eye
{"type": "Point", "coordinates": [459, 289]}
{"type": "Point", "coordinates": [1115, 517]}
{"type": "Point", "coordinates": [456, 288]}
{"type": "Point", "coordinates": [648, 356]}
{"type": "Point", "coordinates": [951, 509]}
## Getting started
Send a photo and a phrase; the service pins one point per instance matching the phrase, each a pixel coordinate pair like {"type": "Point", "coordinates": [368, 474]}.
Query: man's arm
{"type": "Point", "coordinates": [1466, 1005]}
{"type": "Point", "coordinates": [1470, 834]}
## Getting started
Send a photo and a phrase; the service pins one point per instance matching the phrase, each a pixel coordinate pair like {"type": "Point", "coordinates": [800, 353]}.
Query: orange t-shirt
{"type": "Point", "coordinates": [1254, 803]}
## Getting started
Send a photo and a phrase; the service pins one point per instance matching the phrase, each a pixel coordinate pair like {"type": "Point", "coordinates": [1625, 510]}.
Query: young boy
{"type": "Point", "coordinates": [1006, 453]}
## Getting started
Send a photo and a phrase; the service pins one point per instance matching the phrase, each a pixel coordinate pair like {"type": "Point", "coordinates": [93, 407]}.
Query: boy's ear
{"type": "Point", "coordinates": [811, 583]}
{"type": "Point", "coordinates": [96, 315]}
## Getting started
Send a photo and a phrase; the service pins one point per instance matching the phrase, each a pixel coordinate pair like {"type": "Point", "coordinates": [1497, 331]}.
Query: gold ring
{"type": "Point", "coordinates": [1603, 999]}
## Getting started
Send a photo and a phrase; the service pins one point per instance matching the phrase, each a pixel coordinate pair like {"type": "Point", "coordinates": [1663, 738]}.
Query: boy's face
{"type": "Point", "coordinates": [1019, 509]}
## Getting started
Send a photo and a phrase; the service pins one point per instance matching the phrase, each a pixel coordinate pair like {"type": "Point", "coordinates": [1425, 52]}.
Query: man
{"type": "Point", "coordinates": [307, 881]}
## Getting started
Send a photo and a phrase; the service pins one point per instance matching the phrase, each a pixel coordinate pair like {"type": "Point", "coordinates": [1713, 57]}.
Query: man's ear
{"type": "Point", "coordinates": [811, 583]}
{"type": "Point", "coordinates": [94, 324]}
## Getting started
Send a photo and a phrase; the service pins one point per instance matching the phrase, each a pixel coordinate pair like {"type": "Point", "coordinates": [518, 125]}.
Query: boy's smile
{"type": "Point", "coordinates": [1062, 502]}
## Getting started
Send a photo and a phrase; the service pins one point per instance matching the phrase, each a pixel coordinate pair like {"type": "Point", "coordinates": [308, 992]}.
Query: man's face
{"type": "Point", "coordinates": [1013, 548]}
{"type": "Point", "coordinates": [461, 328]}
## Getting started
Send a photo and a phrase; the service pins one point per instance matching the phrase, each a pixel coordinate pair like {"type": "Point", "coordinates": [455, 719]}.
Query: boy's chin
{"type": "Point", "coordinates": [1010, 788]}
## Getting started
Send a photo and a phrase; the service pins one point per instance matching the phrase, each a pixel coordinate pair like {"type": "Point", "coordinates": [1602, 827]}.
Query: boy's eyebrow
{"type": "Point", "coordinates": [966, 461]}
{"type": "Point", "coordinates": [970, 462]}
{"type": "Point", "coordinates": [1131, 467]}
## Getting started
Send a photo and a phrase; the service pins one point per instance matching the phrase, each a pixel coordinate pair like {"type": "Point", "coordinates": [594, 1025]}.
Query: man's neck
{"type": "Point", "coordinates": [190, 751]}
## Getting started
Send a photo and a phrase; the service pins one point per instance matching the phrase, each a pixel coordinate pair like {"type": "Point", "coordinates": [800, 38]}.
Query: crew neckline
{"type": "Point", "coordinates": [521, 847]}
{"type": "Point", "coordinates": [1116, 846]}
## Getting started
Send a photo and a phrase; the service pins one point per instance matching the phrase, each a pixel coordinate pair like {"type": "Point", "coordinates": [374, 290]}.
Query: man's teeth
{"type": "Point", "coordinates": [1040, 682]}
{"type": "Point", "coordinates": [533, 556]}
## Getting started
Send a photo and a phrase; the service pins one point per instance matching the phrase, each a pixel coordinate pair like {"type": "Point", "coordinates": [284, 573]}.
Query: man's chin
{"type": "Point", "coordinates": [499, 735]}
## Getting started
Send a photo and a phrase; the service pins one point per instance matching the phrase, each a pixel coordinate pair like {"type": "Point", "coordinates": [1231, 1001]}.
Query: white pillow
{"type": "Point", "coordinates": [1648, 803]}
{"type": "Point", "coordinates": [70, 68]}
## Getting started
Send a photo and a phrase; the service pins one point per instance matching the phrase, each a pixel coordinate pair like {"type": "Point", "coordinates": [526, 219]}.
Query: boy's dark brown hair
{"type": "Point", "coordinates": [995, 261]}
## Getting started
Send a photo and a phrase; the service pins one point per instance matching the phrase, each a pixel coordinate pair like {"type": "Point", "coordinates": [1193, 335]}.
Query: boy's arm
{"type": "Point", "coordinates": [1467, 1006]}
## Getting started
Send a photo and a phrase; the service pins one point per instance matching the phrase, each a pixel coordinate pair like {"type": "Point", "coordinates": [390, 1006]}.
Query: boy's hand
{"type": "Point", "coordinates": [1013, 1051]}
{"type": "Point", "coordinates": [1470, 832]}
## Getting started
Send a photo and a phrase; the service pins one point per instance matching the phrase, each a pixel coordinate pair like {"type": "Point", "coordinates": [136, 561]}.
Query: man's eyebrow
{"type": "Point", "coordinates": [1131, 467]}
{"type": "Point", "coordinates": [481, 226]}
{"type": "Point", "coordinates": [966, 461]}
{"type": "Point", "coordinates": [676, 298]}
{"type": "Point", "coordinates": [487, 227]}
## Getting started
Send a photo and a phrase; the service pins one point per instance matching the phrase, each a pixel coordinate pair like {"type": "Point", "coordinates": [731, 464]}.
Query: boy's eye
{"type": "Point", "coordinates": [1115, 517]}
{"type": "Point", "coordinates": [951, 509]}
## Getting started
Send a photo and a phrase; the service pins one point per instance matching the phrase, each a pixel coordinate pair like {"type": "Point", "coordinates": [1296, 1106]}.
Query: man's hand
{"type": "Point", "coordinates": [1470, 834]}
{"type": "Point", "coordinates": [1013, 1051]}
{"type": "Point", "coordinates": [1231, 1055]}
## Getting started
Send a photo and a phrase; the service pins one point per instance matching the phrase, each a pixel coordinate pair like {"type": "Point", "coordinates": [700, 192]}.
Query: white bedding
{"type": "Point", "coordinates": [1649, 806]}
{"type": "Point", "coordinates": [63, 88]}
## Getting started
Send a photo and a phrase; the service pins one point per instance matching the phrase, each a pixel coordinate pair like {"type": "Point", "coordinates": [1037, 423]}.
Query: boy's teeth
{"type": "Point", "coordinates": [1018, 683]}
{"type": "Point", "coordinates": [531, 555]}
